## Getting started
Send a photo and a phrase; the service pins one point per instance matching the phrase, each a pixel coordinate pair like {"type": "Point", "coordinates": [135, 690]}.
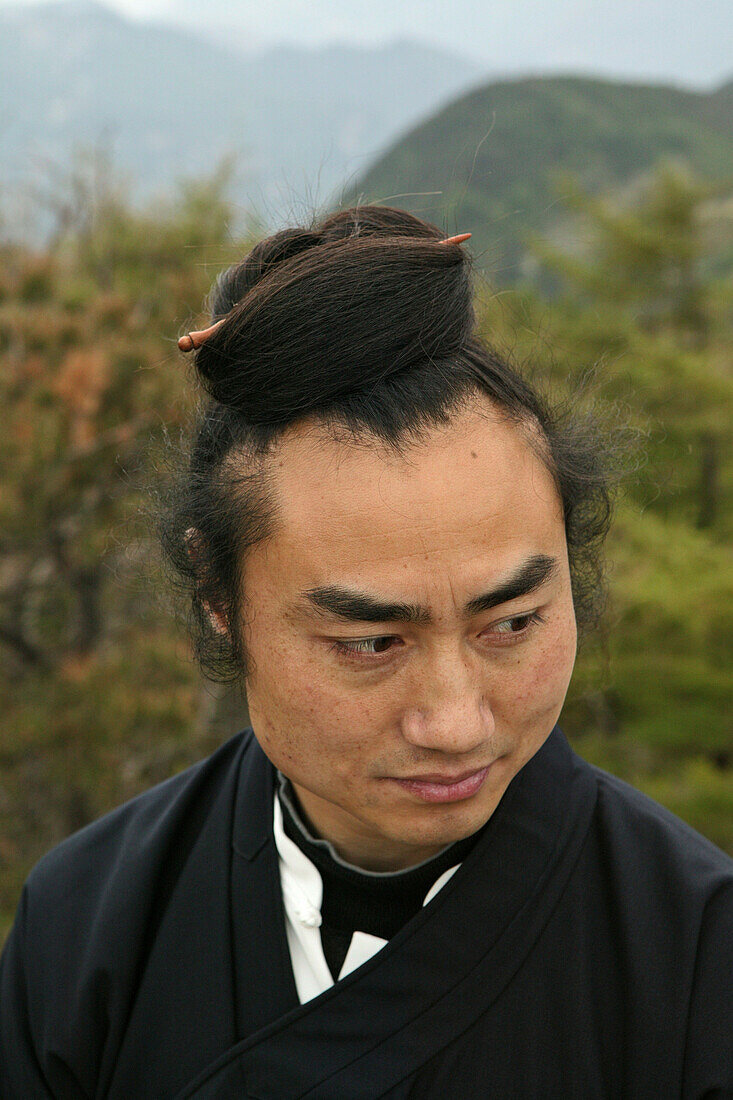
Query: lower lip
{"type": "Point", "coordinates": [445, 792]}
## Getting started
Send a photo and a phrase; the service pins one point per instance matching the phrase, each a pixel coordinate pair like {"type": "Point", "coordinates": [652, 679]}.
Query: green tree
{"type": "Point", "coordinates": [652, 293]}
{"type": "Point", "coordinates": [649, 260]}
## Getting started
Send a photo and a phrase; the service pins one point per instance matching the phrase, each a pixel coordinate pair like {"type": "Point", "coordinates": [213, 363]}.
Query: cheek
{"type": "Point", "coordinates": [302, 714]}
{"type": "Point", "coordinates": [540, 686]}
{"type": "Point", "coordinates": [298, 678]}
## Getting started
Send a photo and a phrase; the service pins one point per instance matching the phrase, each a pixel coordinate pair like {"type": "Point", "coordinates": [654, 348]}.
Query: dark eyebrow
{"type": "Point", "coordinates": [351, 606]}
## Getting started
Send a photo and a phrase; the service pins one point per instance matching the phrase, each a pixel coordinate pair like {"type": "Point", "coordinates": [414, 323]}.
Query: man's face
{"type": "Point", "coordinates": [346, 702]}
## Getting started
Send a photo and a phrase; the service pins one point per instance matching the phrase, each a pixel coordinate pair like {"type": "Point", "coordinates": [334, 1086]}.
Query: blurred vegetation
{"type": "Point", "coordinates": [100, 697]}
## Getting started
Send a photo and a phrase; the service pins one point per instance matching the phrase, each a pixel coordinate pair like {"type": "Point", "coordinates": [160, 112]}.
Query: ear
{"type": "Point", "coordinates": [193, 542]}
{"type": "Point", "coordinates": [215, 619]}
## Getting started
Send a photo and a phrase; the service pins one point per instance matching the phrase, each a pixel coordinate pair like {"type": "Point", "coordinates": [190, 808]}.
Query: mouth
{"type": "Point", "coordinates": [440, 788]}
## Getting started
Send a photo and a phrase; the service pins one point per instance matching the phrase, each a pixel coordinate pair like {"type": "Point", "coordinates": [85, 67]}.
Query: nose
{"type": "Point", "coordinates": [449, 711]}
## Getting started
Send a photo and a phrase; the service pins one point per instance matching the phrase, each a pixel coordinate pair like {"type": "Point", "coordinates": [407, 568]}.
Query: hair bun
{"type": "Point", "coordinates": [233, 283]}
{"type": "Point", "coordinates": [312, 316]}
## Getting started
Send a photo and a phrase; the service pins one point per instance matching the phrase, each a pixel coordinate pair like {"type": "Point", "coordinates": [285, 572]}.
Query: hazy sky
{"type": "Point", "coordinates": [682, 41]}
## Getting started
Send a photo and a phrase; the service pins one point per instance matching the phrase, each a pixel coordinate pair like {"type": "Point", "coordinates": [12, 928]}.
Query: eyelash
{"type": "Point", "coordinates": [351, 651]}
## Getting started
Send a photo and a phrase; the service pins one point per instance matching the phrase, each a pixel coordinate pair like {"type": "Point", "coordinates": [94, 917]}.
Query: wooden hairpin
{"type": "Point", "coordinates": [194, 340]}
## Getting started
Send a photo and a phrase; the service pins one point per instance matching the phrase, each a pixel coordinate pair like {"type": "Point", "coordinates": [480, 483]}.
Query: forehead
{"type": "Point", "coordinates": [471, 489]}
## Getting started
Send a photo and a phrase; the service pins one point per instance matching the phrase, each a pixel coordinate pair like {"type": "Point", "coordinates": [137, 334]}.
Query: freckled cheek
{"type": "Point", "coordinates": [326, 721]}
{"type": "Point", "coordinates": [544, 682]}
{"type": "Point", "coordinates": [307, 685]}
{"type": "Point", "coordinates": [315, 701]}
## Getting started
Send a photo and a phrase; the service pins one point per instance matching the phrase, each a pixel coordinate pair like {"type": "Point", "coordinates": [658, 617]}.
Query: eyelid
{"type": "Point", "coordinates": [346, 647]}
{"type": "Point", "coordinates": [393, 634]}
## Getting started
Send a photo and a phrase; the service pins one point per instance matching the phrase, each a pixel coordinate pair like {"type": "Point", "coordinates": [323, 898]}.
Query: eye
{"type": "Point", "coordinates": [525, 623]}
{"type": "Point", "coordinates": [516, 627]}
{"type": "Point", "coordinates": [370, 647]}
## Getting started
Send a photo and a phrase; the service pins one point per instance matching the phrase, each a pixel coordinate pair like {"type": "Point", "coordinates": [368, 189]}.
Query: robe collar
{"type": "Point", "coordinates": [302, 888]}
{"type": "Point", "coordinates": [422, 989]}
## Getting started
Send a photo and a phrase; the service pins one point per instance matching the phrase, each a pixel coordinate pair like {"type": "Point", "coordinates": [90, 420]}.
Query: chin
{"type": "Point", "coordinates": [449, 824]}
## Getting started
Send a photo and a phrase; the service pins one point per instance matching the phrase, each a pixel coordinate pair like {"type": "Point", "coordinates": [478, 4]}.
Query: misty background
{"type": "Point", "coordinates": [305, 95]}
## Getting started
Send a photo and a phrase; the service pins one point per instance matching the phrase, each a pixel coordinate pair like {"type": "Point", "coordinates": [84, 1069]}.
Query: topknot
{"type": "Point", "coordinates": [311, 315]}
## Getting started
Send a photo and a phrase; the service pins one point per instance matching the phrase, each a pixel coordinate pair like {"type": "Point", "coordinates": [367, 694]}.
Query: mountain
{"type": "Point", "coordinates": [320, 127]}
{"type": "Point", "coordinates": [491, 154]}
{"type": "Point", "coordinates": [170, 103]}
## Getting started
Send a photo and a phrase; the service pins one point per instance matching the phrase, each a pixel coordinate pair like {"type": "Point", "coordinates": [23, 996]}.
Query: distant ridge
{"type": "Point", "coordinates": [170, 103]}
{"type": "Point", "coordinates": [491, 153]}
{"type": "Point", "coordinates": [314, 128]}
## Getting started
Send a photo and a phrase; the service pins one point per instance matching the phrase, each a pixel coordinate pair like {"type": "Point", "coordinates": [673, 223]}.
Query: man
{"type": "Point", "coordinates": [401, 881]}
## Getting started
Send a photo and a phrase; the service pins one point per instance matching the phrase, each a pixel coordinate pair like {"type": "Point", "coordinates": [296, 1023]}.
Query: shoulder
{"type": "Point", "coordinates": [654, 844]}
{"type": "Point", "coordinates": [89, 912]}
{"type": "Point", "coordinates": [669, 893]}
{"type": "Point", "coordinates": [128, 843]}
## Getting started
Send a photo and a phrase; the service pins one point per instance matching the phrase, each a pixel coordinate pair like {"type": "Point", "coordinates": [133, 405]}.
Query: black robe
{"type": "Point", "coordinates": [583, 949]}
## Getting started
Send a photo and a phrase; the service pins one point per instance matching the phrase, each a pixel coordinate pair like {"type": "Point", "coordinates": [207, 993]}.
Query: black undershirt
{"type": "Point", "coordinates": [353, 899]}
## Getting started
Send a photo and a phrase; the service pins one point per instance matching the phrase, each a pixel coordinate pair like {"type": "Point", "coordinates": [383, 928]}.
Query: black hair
{"type": "Point", "coordinates": [365, 322]}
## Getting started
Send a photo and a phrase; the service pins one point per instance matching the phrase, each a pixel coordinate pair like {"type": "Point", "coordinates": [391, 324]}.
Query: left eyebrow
{"type": "Point", "coordinates": [349, 605]}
